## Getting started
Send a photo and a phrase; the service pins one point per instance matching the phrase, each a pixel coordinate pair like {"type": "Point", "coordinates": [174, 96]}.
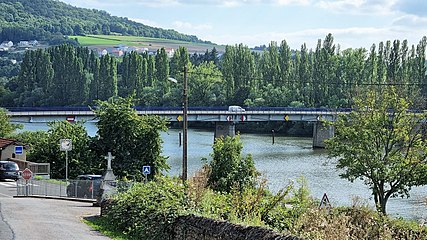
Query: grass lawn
{"type": "Point", "coordinates": [154, 43]}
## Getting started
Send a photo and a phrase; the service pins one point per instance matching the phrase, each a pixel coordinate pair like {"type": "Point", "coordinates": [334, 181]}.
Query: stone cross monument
{"type": "Point", "coordinates": [108, 185]}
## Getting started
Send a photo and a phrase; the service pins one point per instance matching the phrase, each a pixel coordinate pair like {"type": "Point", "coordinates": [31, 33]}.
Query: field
{"type": "Point", "coordinates": [103, 41]}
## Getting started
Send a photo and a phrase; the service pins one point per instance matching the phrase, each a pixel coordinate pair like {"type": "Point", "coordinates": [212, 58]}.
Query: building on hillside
{"type": "Point", "coordinates": [103, 52]}
{"type": "Point", "coordinates": [33, 43]}
{"type": "Point", "coordinates": [170, 52]}
{"type": "Point", "coordinates": [111, 51]}
{"type": "Point", "coordinates": [23, 44]}
{"type": "Point", "coordinates": [9, 147]}
{"type": "Point", "coordinates": [7, 44]}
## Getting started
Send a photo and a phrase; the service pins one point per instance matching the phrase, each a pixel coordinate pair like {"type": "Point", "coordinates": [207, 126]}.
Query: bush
{"type": "Point", "coordinates": [356, 222]}
{"type": "Point", "coordinates": [229, 169]}
{"type": "Point", "coordinates": [147, 211]}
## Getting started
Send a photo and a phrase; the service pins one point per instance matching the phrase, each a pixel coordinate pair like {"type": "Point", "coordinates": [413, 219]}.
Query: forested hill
{"type": "Point", "coordinates": [49, 19]}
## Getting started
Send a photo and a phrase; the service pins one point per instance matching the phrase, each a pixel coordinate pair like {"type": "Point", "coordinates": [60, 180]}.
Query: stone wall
{"type": "Point", "coordinates": [192, 227]}
{"type": "Point", "coordinates": [200, 228]}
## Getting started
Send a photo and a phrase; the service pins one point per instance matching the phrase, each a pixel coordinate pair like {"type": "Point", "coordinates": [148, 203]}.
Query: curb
{"type": "Point", "coordinates": [60, 198]}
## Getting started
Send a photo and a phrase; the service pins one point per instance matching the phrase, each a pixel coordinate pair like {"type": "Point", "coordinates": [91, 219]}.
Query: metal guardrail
{"type": "Point", "coordinates": [83, 189]}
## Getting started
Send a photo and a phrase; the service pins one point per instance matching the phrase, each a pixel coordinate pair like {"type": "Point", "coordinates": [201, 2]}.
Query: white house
{"type": "Point", "coordinates": [6, 44]}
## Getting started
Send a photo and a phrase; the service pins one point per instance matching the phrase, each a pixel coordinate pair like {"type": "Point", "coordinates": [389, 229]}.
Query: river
{"type": "Point", "coordinates": [286, 160]}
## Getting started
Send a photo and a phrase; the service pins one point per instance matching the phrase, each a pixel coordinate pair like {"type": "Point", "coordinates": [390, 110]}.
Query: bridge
{"type": "Point", "coordinates": [225, 120]}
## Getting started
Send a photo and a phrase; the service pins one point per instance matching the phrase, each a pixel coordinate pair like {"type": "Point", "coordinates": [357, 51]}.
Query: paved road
{"type": "Point", "coordinates": [43, 219]}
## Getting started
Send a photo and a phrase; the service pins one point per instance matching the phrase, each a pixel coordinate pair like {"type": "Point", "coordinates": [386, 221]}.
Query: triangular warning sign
{"type": "Point", "coordinates": [324, 203]}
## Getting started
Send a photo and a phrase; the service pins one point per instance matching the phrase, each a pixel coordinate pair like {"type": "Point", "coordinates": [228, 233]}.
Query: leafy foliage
{"type": "Point", "coordinates": [381, 143]}
{"type": "Point", "coordinates": [356, 222]}
{"type": "Point", "coordinates": [44, 147]}
{"type": "Point", "coordinates": [6, 127]}
{"type": "Point", "coordinates": [322, 77]}
{"type": "Point", "coordinates": [229, 169]}
{"type": "Point", "coordinates": [147, 211]}
{"type": "Point", "coordinates": [49, 20]}
{"type": "Point", "coordinates": [134, 140]}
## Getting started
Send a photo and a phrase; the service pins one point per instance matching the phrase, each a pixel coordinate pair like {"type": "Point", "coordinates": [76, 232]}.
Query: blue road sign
{"type": "Point", "coordinates": [19, 149]}
{"type": "Point", "coordinates": [146, 170]}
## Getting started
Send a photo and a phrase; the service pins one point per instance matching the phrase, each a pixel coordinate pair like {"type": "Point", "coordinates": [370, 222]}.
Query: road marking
{"type": "Point", "coordinates": [8, 184]}
{"type": "Point", "coordinates": [6, 195]}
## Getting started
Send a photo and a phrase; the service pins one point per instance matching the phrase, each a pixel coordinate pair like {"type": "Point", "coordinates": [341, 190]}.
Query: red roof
{"type": "Point", "coordinates": [4, 142]}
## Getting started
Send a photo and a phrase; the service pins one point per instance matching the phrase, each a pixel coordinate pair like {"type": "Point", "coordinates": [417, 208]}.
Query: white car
{"type": "Point", "coordinates": [236, 109]}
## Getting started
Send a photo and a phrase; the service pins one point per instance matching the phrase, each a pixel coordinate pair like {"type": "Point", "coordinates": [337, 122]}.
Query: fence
{"type": "Point", "coordinates": [38, 169]}
{"type": "Point", "coordinates": [87, 189]}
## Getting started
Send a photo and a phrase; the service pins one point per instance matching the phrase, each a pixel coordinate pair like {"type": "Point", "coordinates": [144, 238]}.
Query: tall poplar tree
{"type": "Point", "coordinates": [162, 71]}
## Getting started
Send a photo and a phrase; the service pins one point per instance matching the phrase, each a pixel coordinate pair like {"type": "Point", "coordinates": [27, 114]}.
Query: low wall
{"type": "Point", "coordinates": [200, 228]}
{"type": "Point", "coordinates": [192, 227]}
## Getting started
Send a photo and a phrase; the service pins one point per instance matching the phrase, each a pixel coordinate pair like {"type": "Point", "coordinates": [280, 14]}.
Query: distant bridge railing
{"type": "Point", "coordinates": [89, 109]}
{"type": "Point", "coordinates": [201, 114]}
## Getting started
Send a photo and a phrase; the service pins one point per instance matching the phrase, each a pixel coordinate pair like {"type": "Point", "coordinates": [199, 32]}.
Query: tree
{"type": "Point", "coordinates": [206, 86]}
{"type": "Point", "coordinates": [162, 71]}
{"type": "Point", "coordinates": [381, 143]}
{"type": "Point", "coordinates": [6, 128]}
{"type": "Point", "coordinates": [107, 77]}
{"type": "Point", "coordinates": [44, 148]}
{"type": "Point", "coordinates": [228, 168]}
{"type": "Point", "coordinates": [134, 140]}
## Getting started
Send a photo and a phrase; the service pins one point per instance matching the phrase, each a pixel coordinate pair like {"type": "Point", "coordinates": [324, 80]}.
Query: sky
{"type": "Point", "coordinates": [353, 23]}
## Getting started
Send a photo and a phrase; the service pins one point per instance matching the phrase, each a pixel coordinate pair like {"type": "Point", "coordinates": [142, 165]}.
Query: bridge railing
{"type": "Point", "coordinates": [76, 109]}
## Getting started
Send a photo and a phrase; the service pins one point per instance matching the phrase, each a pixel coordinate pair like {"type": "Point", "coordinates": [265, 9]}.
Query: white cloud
{"type": "Point", "coordinates": [378, 7]}
{"type": "Point", "coordinates": [411, 21]}
{"type": "Point", "coordinates": [412, 7]}
{"type": "Point", "coordinates": [146, 22]}
{"type": "Point", "coordinates": [346, 37]}
{"type": "Point", "coordinates": [179, 25]}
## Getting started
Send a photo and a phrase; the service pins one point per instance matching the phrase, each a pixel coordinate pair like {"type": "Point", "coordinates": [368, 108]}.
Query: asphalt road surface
{"type": "Point", "coordinates": [43, 219]}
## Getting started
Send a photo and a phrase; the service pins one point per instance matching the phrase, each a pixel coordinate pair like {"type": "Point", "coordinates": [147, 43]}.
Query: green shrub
{"type": "Point", "coordinates": [214, 205]}
{"type": "Point", "coordinates": [356, 222]}
{"type": "Point", "coordinates": [228, 168]}
{"type": "Point", "coordinates": [286, 212]}
{"type": "Point", "coordinates": [147, 211]}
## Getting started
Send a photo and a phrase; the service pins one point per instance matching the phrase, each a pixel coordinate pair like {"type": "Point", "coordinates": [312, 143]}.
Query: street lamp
{"type": "Point", "coordinates": [184, 124]}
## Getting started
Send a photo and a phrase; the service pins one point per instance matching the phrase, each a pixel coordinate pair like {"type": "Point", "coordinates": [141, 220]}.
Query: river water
{"type": "Point", "coordinates": [286, 160]}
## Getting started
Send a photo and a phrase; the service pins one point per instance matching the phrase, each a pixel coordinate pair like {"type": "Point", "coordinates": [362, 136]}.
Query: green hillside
{"type": "Point", "coordinates": [101, 41]}
{"type": "Point", "coordinates": [49, 19]}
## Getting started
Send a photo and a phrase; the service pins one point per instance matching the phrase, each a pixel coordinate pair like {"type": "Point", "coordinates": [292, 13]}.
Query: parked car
{"type": "Point", "coordinates": [9, 170]}
{"type": "Point", "coordinates": [85, 186]}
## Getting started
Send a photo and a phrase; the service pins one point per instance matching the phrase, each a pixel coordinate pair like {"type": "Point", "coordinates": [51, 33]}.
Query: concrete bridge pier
{"type": "Point", "coordinates": [321, 133]}
{"type": "Point", "coordinates": [224, 129]}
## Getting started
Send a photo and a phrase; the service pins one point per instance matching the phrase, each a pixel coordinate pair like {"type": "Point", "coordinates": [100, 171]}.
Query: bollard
{"type": "Point", "coordinates": [180, 139]}
{"type": "Point", "coordinates": [272, 134]}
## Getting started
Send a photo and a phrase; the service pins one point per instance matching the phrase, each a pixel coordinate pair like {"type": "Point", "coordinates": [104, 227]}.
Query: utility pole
{"type": "Point", "coordinates": [185, 127]}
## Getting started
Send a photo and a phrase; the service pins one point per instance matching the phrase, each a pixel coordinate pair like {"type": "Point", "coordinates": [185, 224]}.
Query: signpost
{"type": "Point", "coordinates": [19, 150]}
{"type": "Point", "coordinates": [27, 175]}
{"type": "Point", "coordinates": [66, 145]}
{"type": "Point", "coordinates": [324, 203]}
{"type": "Point", "coordinates": [146, 170]}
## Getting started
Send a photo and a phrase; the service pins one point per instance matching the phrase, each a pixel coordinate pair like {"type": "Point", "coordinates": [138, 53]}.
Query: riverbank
{"type": "Point", "coordinates": [289, 158]}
